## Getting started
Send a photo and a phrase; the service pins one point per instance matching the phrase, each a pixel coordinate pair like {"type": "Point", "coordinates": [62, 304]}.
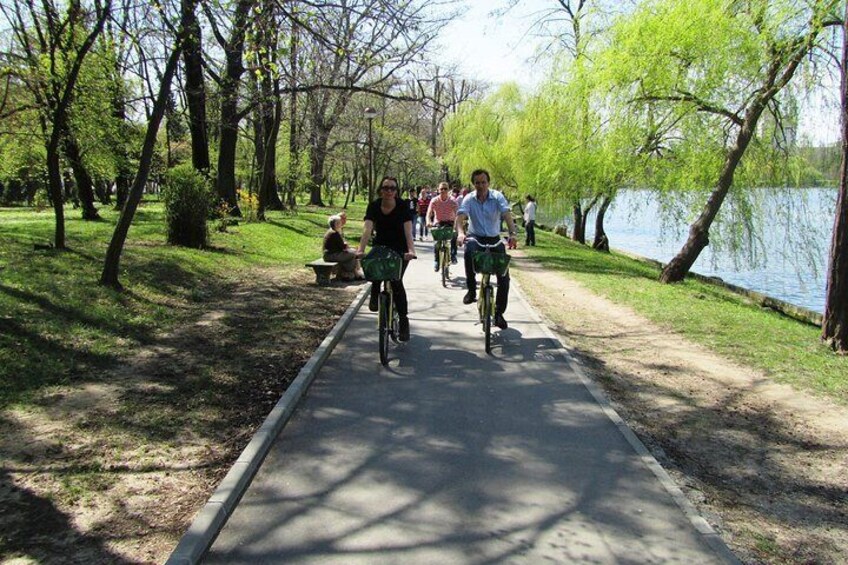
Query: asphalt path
{"type": "Point", "coordinates": [450, 455]}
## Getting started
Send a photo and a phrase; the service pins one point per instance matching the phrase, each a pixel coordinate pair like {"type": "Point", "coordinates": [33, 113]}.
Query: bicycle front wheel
{"type": "Point", "coordinates": [384, 327]}
{"type": "Point", "coordinates": [487, 308]}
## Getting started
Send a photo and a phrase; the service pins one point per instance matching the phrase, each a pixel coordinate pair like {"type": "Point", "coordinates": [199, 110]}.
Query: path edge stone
{"type": "Point", "coordinates": [210, 519]}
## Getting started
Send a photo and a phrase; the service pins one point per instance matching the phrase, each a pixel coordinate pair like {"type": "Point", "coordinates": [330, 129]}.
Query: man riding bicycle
{"type": "Point", "coordinates": [442, 213]}
{"type": "Point", "coordinates": [484, 209]}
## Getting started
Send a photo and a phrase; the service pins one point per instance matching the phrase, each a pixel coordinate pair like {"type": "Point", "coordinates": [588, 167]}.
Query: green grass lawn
{"type": "Point", "coordinates": [58, 325]}
{"type": "Point", "coordinates": [787, 350]}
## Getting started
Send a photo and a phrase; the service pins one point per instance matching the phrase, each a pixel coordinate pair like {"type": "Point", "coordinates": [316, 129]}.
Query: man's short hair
{"type": "Point", "coordinates": [479, 172]}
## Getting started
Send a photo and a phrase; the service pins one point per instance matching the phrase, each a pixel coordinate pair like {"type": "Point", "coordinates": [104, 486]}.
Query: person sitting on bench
{"type": "Point", "coordinates": [336, 250]}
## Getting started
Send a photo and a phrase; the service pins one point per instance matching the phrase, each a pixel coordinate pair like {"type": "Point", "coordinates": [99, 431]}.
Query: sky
{"type": "Point", "coordinates": [490, 49]}
{"type": "Point", "coordinates": [498, 50]}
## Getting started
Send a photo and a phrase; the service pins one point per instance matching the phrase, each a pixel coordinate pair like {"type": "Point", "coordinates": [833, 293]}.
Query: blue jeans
{"type": "Point", "coordinates": [422, 220]}
{"type": "Point", "coordinates": [471, 247]}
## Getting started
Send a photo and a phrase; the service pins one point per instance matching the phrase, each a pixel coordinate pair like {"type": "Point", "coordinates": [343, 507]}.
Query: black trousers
{"type": "Point", "coordinates": [398, 291]}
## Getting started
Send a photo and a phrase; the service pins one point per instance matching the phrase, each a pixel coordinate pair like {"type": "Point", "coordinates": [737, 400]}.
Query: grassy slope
{"type": "Point", "coordinates": [58, 325]}
{"type": "Point", "coordinates": [787, 350]}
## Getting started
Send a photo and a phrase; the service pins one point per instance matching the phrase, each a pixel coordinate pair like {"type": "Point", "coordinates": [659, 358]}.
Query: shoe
{"type": "Point", "coordinates": [403, 329]}
{"type": "Point", "coordinates": [500, 322]}
{"type": "Point", "coordinates": [469, 297]}
{"type": "Point", "coordinates": [436, 266]}
{"type": "Point", "coordinates": [372, 302]}
{"type": "Point", "coordinates": [453, 260]}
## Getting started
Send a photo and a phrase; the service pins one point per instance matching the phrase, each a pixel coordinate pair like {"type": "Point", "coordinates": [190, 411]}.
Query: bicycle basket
{"type": "Point", "coordinates": [382, 264]}
{"type": "Point", "coordinates": [491, 263]}
{"type": "Point", "coordinates": [442, 234]}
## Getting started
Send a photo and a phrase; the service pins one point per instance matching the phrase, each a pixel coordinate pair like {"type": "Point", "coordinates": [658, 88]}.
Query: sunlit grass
{"type": "Point", "coordinates": [787, 350]}
{"type": "Point", "coordinates": [58, 325]}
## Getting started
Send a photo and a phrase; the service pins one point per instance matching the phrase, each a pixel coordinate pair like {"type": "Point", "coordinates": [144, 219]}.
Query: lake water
{"type": "Point", "coordinates": [773, 241]}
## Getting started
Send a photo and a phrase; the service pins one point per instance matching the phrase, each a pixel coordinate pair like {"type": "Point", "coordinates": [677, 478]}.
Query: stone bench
{"type": "Point", "coordinates": [323, 271]}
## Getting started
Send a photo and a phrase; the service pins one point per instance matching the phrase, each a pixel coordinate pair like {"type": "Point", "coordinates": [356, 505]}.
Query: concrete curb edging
{"type": "Point", "coordinates": [704, 529]}
{"type": "Point", "coordinates": [211, 518]}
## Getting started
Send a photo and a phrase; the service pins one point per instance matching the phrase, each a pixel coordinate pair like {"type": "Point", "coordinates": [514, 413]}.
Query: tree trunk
{"type": "Point", "coordinates": [318, 154]}
{"type": "Point", "coordinates": [585, 217]}
{"type": "Point", "coordinates": [835, 320]}
{"type": "Point", "coordinates": [579, 233]}
{"type": "Point", "coordinates": [124, 174]}
{"type": "Point", "coordinates": [230, 117]}
{"type": "Point", "coordinates": [294, 160]}
{"type": "Point", "coordinates": [109, 277]}
{"type": "Point", "coordinates": [85, 186]}
{"type": "Point", "coordinates": [699, 231]}
{"type": "Point", "coordinates": [601, 242]}
{"type": "Point", "coordinates": [195, 91]}
{"type": "Point", "coordinates": [54, 179]}
{"type": "Point", "coordinates": [269, 196]}
{"type": "Point", "coordinates": [103, 191]}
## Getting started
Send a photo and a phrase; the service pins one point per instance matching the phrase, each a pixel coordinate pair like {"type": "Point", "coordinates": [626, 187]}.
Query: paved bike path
{"type": "Point", "coordinates": [450, 455]}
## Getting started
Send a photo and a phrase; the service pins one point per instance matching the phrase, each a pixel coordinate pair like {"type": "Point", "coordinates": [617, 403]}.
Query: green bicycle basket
{"type": "Point", "coordinates": [382, 264]}
{"type": "Point", "coordinates": [491, 263]}
{"type": "Point", "coordinates": [442, 234]}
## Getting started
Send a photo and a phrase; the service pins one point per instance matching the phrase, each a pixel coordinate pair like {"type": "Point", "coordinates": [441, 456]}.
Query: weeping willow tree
{"type": "Point", "coordinates": [476, 136]}
{"type": "Point", "coordinates": [712, 83]}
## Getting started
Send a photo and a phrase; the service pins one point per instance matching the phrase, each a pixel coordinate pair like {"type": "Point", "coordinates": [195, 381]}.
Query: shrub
{"type": "Point", "coordinates": [187, 206]}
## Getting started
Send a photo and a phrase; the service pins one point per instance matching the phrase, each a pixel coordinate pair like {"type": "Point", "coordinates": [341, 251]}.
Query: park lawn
{"type": "Point", "coordinates": [785, 349]}
{"type": "Point", "coordinates": [61, 327]}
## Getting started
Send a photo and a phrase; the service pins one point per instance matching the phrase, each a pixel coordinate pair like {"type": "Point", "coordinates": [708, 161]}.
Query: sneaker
{"type": "Point", "coordinates": [469, 297]}
{"type": "Point", "coordinates": [436, 266]}
{"type": "Point", "coordinates": [372, 303]}
{"type": "Point", "coordinates": [403, 329]}
{"type": "Point", "coordinates": [500, 322]}
{"type": "Point", "coordinates": [453, 260]}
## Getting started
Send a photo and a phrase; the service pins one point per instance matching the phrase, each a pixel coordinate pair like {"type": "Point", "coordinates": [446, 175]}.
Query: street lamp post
{"type": "Point", "coordinates": [370, 114]}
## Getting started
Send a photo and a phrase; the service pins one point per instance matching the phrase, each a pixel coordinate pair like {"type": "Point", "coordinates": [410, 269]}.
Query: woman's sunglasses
{"type": "Point", "coordinates": [385, 187]}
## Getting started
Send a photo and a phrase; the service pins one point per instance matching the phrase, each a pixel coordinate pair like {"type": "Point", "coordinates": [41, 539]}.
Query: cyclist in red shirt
{"type": "Point", "coordinates": [442, 213]}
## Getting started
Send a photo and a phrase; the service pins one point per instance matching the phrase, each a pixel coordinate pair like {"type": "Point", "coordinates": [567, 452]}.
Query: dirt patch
{"type": "Point", "coordinates": [765, 464]}
{"type": "Point", "coordinates": [113, 470]}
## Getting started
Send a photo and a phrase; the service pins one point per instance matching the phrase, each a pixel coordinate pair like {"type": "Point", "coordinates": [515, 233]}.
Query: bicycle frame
{"type": "Point", "coordinates": [486, 302]}
{"type": "Point", "coordinates": [443, 247]}
{"type": "Point", "coordinates": [387, 320]}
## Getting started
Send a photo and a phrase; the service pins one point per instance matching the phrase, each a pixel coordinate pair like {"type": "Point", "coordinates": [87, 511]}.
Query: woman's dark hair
{"type": "Point", "coordinates": [479, 172]}
{"type": "Point", "coordinates": [530, 198]}
{"type": "Point", "coordinates": [393, 179]}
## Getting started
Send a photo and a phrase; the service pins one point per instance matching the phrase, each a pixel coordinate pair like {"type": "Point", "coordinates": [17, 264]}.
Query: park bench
{"type": "Point", "coordinates": [323, 271]}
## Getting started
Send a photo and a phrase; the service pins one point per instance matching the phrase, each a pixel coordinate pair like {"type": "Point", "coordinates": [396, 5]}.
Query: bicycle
{"type": "Point", "coordinates": [443, 237]}
{"type": "Point", "coordinates": [488, 263]}
{"type": "Point", "coordinates": [383, 266]}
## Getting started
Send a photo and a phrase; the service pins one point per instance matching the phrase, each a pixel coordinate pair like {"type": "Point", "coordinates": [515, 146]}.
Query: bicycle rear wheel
{"type": "Point", "coordinates": [488, 302]}
{"type": "Point", "coordinates": [384, 327]}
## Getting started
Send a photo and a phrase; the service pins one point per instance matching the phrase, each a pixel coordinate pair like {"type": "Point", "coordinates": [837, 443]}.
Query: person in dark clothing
{"type": "Point", "coordinates": [336, 250]}
{"type": "Point", "coordinates": [412, 202]}
{"type": "Point", "coordinates": [530, 221]}
{"type": "Point", "coordinates": [390, 216]}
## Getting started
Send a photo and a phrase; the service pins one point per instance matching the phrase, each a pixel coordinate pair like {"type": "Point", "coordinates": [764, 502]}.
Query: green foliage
{"type": "Point", "coordinates": [476, 136]}
{"type": "Point", "coordinates": [187, 197]}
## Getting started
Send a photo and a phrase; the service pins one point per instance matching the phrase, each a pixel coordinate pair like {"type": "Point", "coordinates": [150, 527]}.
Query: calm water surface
{"type": "Point", "coordinates": [783, 253]}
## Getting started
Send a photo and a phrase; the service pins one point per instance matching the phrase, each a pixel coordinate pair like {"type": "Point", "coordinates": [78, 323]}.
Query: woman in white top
{"type": "Point", "coordinates": [530, 221]}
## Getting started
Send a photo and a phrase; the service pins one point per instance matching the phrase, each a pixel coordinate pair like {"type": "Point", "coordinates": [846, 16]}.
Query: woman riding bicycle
{"type": "Point", "coordinates": [390, 216]}
{"type": "Point", "coordinates": [484, 210]}
{"type": "Point", "coordinates": [442, 213]}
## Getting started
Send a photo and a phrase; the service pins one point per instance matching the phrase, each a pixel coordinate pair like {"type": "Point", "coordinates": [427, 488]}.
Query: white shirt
{"type": "Point", "coordinates": [530, 212]}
